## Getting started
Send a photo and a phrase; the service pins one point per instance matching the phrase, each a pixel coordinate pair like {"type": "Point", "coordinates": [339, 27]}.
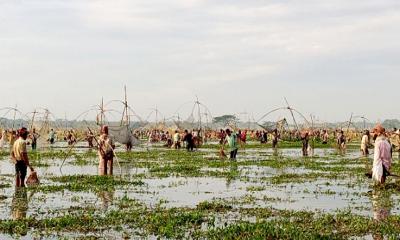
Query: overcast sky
{"type": "Point", "coordinates": [328, 58]}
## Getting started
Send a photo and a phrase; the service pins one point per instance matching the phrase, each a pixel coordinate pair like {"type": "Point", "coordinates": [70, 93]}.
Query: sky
{"type": "Point", "coordinates": [329, 58]}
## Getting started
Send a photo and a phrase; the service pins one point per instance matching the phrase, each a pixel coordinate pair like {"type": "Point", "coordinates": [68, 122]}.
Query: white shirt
{"type": "Point", "coordinates": [364, 142]}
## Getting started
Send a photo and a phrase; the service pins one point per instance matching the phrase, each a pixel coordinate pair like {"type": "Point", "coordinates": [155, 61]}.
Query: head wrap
{"type": "Point", "coordinates": [378, 129]}
{"type": "Point", "coordinates": [22, 131]}
{"type": "Point", "coordinates": [104, 129]}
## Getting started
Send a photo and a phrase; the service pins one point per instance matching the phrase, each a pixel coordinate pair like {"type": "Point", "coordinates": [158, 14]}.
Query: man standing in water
{"type": "Point", "coordinates": [382, 155]}
{"type": "Point", "coordinates": [304, 140]}
{"type": "Point", "coordinates": [89, 139]}
{"type": "Point", "coordinates": [34, 137]}
{"type": "Point", "coordinates": [106, 152]}
{"type": "Point", "coordinates": [52, 136]}
{"type": "Point", "coordinates": [231, 139]}
{"type": "Point", "coordinates": [188, 139]}
{"type": "Point", "coordinates": [3, 139]}
{"type": "Point", "coordinates": [365, 143]}
{"type": "Point", "coordinates": [341, 141]}
{"type": "Point", "coordinates": [222, 136]}
{"type": "Point", "coordinates": [13, 137]}
{"type": "Point", "coordinates": [325, 137]}
{"type": "Point", "coordinates": [20, 158]}
{"type": "Point", "coordinates": [275, 137]}
{"type": "Point", "coordinates": [177, 140]}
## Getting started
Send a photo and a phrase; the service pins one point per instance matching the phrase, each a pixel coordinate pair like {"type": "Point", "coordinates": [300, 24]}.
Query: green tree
{"type": "Point", "coordinates": [225, 119]}
{"type": "Point", "coordinates": [389, 124]}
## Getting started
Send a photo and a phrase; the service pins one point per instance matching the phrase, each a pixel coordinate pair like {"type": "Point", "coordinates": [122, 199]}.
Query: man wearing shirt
{"type": "Point", "coordinates": [231, 139]}
{"type": "Point", "coordinates": [365, 143]}
{"type": "Point", "coordinates": [177, 140]}
{"type": "Point", "coordinates": [52, 136]}
{"type": "Point", "coordinates": [382, 155]}
{"type": "Point", "coordinates": [34, 137]}
{"type": "Point", "coordinates": [19, 156]}
{"type": "Point", "coordinates": [188, 139]}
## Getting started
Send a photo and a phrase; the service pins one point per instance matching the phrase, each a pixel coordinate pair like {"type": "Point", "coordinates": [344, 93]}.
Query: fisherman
{"type": "Point", "coordinates": [205, 137]}
{"type": "Point", "coordinates": [3, 139]}
{"type": "Point", "coordinates": [231, 139]}
{"type": "Point", "coordinates": [325, 137]}
{"type": "Point", "coordinates": [177, 140]}
{"type": "Point", "coordinates": [150, 136]}
{"type": "Point", "coordinates": [12, 138]}
{"type": "Point", "coordinates": [168, 139]}
{"type": "Point", "coordinates": [188, 139]}
{"type": "Point", "coordinates": [34, 137]}
{"type": "Point", "coordinates": [365, 143]}
{"type": "Point", "coordinates": [243, 137]}
{"type": "Point", "coordinates": [129, 146]}
{"type": "Point", "coordinates": [197, 137]}
{"type": "Point", "coordinates": [397, 135]}
{"type": "Point", "coordinates": [305, 139]}
{"type": "Point", "coordinates": [341, 140]}
{"type": "Point", "coordinates": [19, 155]}
{"type": "Point", "coordinates": [239, 135]}
{"type": "Point", "coordinates": [275, 137]}
{"type": "Point", "coordinates": [106, 152]}
{"type": "Point", "coordinates": [264, 137]}
{"type": "Point", "coordinates": [70, 137]}
{"type": "Point", "coordinates": [89, 139]}
{"type": "Point", "coordinates": [52, 136]}
{"type": "Point", "coordinates": [222, 136]}
{"type": "Point", "coordinates": [382, 155]}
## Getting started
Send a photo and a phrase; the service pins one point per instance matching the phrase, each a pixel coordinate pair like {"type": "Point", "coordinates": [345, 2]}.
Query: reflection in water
{"type": "Point", "coordinates": [233, 173]}
{"type": "Point", "coordinates": [106, 198]}
{"type": "Point", "coordinates": [341, 152]}
{"type": "Point", "coordinates": [275, 152]}
{"type": "Point", "coordinates": [19, 206]}
{"type": "Point", "coordinates": [382, 205]}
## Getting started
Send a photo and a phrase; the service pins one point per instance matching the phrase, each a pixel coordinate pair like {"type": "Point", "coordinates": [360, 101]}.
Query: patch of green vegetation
{"type": "Point", "coordinates": [4, 154]}
{"type": "Point", "coordinates": [5, 185]}
{"type": "Point", "coordinates": [178, 223]}
{"type": "Point", "coordinates": [213, 206]}
{"type": "Point", "coordinates": [185, 169]}
{"type": "Point", "coordinates": [169, 223]}
{"type": "Point", "coordinates": [275, 199]}
{"type": "Point", "coordinates": [86, 183]}
{"type": "Point", "coordinates": [255, 188]}
{"type": "Point", "coordinates": [306, 225]}
{"type": "Point", "coordinates": [300, 178]}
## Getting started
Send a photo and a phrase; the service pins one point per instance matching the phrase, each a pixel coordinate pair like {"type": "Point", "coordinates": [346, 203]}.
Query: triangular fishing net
{"type": "Point", "coordinates": [123, 135]}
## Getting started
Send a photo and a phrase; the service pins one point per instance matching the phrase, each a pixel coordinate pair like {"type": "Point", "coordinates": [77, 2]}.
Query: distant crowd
{"type": "Point", "coordinates": [383, 142]}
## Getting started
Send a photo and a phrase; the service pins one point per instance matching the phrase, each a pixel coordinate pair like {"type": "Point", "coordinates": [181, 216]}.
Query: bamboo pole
{"type": "Point", "coordinates": [291, 112]}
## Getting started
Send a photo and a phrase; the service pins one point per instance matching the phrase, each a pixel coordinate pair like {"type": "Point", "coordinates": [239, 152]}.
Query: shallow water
{"type": "Point", "coordinates": [326, 195]}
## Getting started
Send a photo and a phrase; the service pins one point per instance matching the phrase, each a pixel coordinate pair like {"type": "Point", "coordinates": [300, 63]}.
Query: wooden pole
{"type": "Point", "coordinates": [348, 126]}
{"type": "Point", "coordinates": [33, 119]}
{"type": "Point", "coordinates": [291, 112]}
{"type": "Point", "coordinates": [101, 112]}
{"type": "Point", "coordinates": [15, 113]}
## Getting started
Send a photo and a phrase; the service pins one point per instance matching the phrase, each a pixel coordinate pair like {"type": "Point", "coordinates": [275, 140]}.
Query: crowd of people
{"type": "Point", "coordinates": [175, 139]}
{"type": "Point", "coordinates": [384, 144]}
{"type": "Point", "coordinates": [8, 137]}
